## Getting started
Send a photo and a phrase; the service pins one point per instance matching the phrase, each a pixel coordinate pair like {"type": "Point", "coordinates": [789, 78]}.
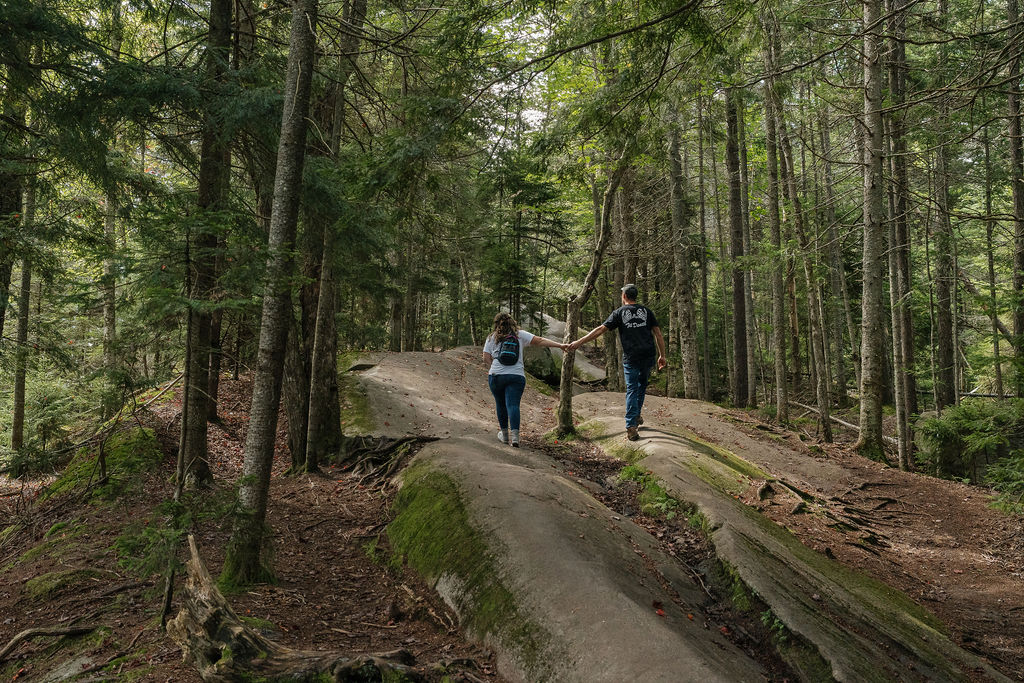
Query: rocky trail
{"type": "Point", "coordinates": [866, 573]}
{"type": "Point", "coordinates": [717, 548]}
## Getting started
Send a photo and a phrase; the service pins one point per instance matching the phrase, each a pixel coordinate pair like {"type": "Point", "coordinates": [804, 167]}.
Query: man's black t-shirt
{"type": "Point", "coordinates": [634, 323]}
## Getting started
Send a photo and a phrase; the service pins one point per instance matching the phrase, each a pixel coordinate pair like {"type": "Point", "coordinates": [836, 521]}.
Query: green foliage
{"type": "Point", "coordinates": [1007, 478]}
{"type": "Point", "coordinates": [150, 545]}
{"type": "Point", "coordinates": [968, 437]}
{"type": "Point", "coordinates": [654, 500]}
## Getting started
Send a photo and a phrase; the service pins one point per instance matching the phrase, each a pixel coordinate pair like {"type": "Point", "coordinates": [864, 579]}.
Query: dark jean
{"type": "Point", "coordinates": [508, 391]}
{"type": "Point", "coordinates": [637, 374]}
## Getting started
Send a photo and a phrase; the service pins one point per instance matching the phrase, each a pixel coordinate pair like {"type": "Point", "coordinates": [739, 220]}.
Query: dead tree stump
{"type": "Point", "coordinates": [224, 649]}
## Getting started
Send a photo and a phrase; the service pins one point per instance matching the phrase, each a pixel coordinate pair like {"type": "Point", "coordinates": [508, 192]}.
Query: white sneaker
{"type": "Point", "coordinates": [514, 437]}
{"type": "Point", "coordinates": [503, 435]}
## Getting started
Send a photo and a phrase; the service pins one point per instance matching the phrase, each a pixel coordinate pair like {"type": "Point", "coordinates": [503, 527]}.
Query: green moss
{"type": "Point", "coordinates": [653, 499]}
{"type": "Point", "coordinates": [53, 547]}
{"type": "Point", "coordinates": [356, 417]}
{"type": "Point", "coordinates": [431, 532]}
{"type": "Point", "coordinates": [127, 455]}
{"type": "Point", "coordinates": [45, 585]}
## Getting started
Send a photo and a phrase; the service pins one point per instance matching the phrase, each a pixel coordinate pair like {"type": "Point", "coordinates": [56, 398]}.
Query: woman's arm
{"type": "Point", "coordinates": [541, 341]}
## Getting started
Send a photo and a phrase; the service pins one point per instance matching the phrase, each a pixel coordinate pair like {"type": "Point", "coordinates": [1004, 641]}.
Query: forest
{"type": "Point", "coordinates": [823, 202]}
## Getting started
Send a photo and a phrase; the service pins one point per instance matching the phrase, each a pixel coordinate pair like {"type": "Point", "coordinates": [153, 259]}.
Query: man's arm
{"type": "Point", "coordinates": [660, 341]}
{"type": "Point", "coordinates": [593, 334]}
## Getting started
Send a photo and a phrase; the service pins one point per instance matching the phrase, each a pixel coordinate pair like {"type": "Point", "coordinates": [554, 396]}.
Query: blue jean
{"type": "Point", "coordinates": [508, 391]}
{"type": "Point", "coordinates": [637, 374]}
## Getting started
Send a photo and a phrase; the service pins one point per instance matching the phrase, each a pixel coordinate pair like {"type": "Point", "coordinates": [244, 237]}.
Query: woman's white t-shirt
{"type": "Point", "coordinates": [491, 347]}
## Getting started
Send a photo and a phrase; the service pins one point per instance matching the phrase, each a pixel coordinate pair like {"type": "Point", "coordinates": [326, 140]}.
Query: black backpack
{"type": "Point", "coordinates": [508, 350]}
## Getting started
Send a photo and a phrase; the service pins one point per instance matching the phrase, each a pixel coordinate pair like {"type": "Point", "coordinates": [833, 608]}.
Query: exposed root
{"type": "Point", "coordinates": [379, 459]}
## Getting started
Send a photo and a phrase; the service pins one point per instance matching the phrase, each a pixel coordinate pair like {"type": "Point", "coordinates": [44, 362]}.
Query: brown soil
{"type": "Point", "coordinates": [335, 591]}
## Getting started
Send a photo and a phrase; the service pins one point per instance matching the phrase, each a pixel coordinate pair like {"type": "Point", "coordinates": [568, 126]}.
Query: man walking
{"type": "Point", "coordinates": [638, 334]}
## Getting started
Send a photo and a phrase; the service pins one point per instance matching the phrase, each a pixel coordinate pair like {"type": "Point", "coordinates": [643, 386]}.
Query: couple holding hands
{"type": "Point", "coordinates": [643, 346]}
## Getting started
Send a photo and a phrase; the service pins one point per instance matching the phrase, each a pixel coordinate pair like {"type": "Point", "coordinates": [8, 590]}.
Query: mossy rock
{"type": "Point", "coordinates": [127, 454]}
{"type": "Point", "coordinates": [356, 416]}
{"type": "Point", "coordinates": [432, 533]}
{"type": "Point", "coordinates": [46, 585]}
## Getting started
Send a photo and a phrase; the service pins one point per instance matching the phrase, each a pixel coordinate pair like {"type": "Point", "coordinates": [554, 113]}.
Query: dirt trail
{"type": "Point", "coordinates": [938, 541]}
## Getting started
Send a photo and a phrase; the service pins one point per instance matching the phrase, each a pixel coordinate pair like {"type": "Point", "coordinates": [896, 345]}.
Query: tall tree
{"type": "Point", "coordinates": [739, 319]}
{"type": "Point", "coordinates": [771, 115]}
{"type": "Point", "coordinates": [872, 331]}
{"type": "Point", "coordinates": [242, 563]}
{"type": "Point", "coordinates": [211, 191]}
{"type": "Point", "coordinates": [682, 293]}
{"type": "Point", "coordinates": [1013, 98]}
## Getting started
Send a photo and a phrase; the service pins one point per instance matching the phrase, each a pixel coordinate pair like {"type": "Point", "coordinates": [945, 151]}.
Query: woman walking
{"type": "Point", "coordinates": [503, 352]}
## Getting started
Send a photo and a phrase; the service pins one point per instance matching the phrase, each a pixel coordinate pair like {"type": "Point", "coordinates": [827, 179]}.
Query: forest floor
{"type": "Point", "coordinates": [335, 590]}
{"type": "Point", "coordinates": [938, 541]}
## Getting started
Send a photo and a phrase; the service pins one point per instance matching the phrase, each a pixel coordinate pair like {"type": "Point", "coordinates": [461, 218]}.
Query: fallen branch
{"type": "Point", "coordinates": [30, 633]}
{"type": "Point", "coordinates": [222, 648]}
{"type": "Point", "coordinates": [844, 423]}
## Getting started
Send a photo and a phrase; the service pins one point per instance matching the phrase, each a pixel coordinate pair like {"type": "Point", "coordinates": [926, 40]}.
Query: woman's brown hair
{"type": "Point", "coordinates": [504, 326]}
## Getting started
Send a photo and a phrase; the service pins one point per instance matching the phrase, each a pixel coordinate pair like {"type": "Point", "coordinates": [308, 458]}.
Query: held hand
{"type": "Point", "coordinates": [574, 345]}
{"type": "Point", "coordinates": [563, 346]}
{"type": "Point", "coordinates": [662, 363]}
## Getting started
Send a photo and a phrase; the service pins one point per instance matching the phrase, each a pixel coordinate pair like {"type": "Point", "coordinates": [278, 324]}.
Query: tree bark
{"type": "Point", "coordinates": [242, 562]}
{"type": "Point", "coordinates": [750, 323]}
{"type": "Point", "coordinates": [21, 351]}
{"type": "Point", "coordinates": [682, 294]}
{"type": "Point", "coordinates": [213, 173]}
{"type": "Point", "coordinates": [705, 389]}
{"type": "Point", "coordinates": [771, 114]}
{"type": "Point", "coordinates": [945, 388]}
{"type": "Point", "coordinates": [869, 442]}
{"type": "Point", "coordinates": [1017, 183]}
{"type": "Point", "coordinates": [993, 302]}
{"type": "Point", "coordinates": [739, 319]}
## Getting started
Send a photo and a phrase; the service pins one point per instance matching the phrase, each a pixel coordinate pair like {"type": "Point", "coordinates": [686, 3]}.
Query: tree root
{"type": "Point", "coordinates": [222, 648]}
{"type": "Point", "coordinates": [378, 459]}
{"type": "Point", "coordinates": [30, 633]}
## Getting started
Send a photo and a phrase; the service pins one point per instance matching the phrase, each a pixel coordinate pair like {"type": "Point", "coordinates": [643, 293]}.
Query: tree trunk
{"type": "Point", "coordinates": [993, 302]}
{"type": "Point", "coordinates": [771, 100]}
{"type": "Point", "coordinates": [817, 341]}
{"type": "Point", "coordinates": [682, 294]}
{"type": "Point", "coordinates": [872, 333]}
{"type": "Point", "coordinates": [945, 389]}
{"type": "Point", "coordinates": [242, 562]}
{"type": "Point", "coordinates": [739, 319]}
{"type": "Point", "coordinates": [213, 174]}
{"type": "Point", "coordinates": [602, 221]}
{"type": "Point", "coordinates": [705, 388]}
{"type": "Point", "coordinates": [748, 280]}
{"type": "Point", "coordinates": [109, 281]}
{"type": "Point", "coordinates": [901, 188]}
{"type": "Point", "coordinates": [21, 350]}
{"type": "Point", "coordinates": [1017, 183]}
